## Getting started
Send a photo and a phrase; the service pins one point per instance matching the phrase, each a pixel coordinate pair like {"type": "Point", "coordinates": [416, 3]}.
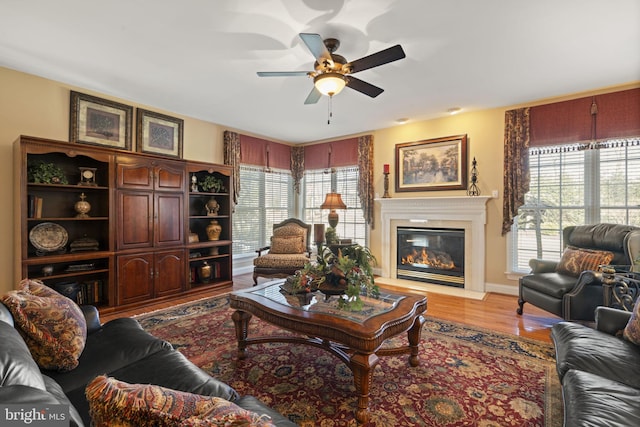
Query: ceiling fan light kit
{"type": "Point", "coordinates": [329, 84]}
{"type": "Point", "coordinates": [332, 72]}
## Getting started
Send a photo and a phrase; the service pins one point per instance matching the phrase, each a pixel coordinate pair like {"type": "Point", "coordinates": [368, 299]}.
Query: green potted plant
{"type": "Point", "coordinates": [211, 184]}
{"type": "Point", "coordinates": [349, 273]}
{"type": "Point", "coordinates": [46, 173]}
{"type": "Point", "coordinates": [362, 256]}
{"type": "Point", "coordinates": [331, 236]}
{"type": "Point", "coordinates": [355, 263]}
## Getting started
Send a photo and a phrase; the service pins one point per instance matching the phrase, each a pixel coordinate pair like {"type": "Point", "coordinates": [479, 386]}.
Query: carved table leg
{"type": "Point", "coordinates": [241, 322]}
{"type": "Point", "coordinates": [414, 339]}
{"type": "Point", "coordinates": [362, 367]}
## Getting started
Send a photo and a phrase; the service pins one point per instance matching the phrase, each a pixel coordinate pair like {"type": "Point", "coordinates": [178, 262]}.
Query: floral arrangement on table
{"type": "Point", "coordinates": [348, 274]}
{"type": "Point", "coordinates": [305, 280]}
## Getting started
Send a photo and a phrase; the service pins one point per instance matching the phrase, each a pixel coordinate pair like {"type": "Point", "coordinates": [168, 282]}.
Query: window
{"type": "Point", "coordinates": [317, 183]}
{"type": "Point", "coordinates": [266, 198]}
{"type": "Point", "coordinates": [575, 185]}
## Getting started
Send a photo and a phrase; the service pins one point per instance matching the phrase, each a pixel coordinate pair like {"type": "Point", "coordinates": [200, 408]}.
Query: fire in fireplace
{"type": "Point", "coordinates": [432, 255]}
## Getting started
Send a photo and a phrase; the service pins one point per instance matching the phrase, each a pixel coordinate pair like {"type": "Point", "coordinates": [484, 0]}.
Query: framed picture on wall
{"type": "Point", "coordinates": [98, 121]}
{"type": "Point", "coordinates": [159, 134]}
{"type": "Point", "coordinates": [434, 164]}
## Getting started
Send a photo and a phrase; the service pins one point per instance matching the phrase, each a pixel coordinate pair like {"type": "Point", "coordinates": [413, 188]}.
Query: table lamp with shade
{"type": "Point", "coordinates": [332, 202]}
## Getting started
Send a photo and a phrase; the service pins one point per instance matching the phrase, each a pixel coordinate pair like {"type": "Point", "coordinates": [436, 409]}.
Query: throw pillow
{"type": "Point", "coordinates": [632, 330]}
{"type": "Point", "coordinates": [53, 326]}
{"type": "Point", "coordinates": [113, 402]}
{"type": "Point", "coordinates": [286, 245]}
{"type": "Point", "coordinates": [576, 260]}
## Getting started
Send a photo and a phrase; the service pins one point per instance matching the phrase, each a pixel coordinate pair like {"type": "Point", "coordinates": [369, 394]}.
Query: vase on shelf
{"type": "Point", "coordinates": [82, 207]}
{"type": "Point", "coordinates": [213, 230]}
{"type": "Point", "coordinates": [204, 272]}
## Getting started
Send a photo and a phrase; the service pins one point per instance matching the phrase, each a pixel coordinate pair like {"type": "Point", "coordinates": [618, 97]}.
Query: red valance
{"type": "Point", "coordinates": [331, 154]}
{"type": "Point", "coordinates": [261, 152]}
{"type": "Point", "coordinates": [618, 114]}
{"type": "Point", "coordinates": [611, 115]}
{"type": "Point", "coordinates": [560, 123]}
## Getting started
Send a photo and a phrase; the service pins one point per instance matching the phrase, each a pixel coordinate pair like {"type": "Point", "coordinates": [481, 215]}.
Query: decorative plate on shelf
{"type": "Point", "coordinates": [48, 237]}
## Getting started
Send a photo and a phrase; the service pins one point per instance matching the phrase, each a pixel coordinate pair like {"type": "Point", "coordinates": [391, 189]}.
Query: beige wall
{"type": "Point", "coordinates": [484, 131]}
{"type": "Point", "coordinates": [39, 107]}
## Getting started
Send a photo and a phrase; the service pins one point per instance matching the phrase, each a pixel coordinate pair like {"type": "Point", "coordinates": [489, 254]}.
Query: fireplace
{"type": "Point", "coordinates": [464, 217]}
{"type": "Point", "coordinates": [431, 255]}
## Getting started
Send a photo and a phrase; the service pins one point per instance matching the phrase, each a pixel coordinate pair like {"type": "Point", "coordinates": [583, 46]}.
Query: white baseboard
{"type": "Point", "coordinates": [501, 289]}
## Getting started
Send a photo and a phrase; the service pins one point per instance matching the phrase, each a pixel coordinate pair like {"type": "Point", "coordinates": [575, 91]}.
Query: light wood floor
{"type": "Point", "coordinates": [496, 311]}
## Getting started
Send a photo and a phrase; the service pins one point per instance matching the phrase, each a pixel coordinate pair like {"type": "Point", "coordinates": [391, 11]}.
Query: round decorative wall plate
{"type": "Point", "coordinates": [48, 237]}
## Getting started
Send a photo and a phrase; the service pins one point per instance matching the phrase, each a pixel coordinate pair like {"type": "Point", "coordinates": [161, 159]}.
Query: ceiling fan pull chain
{"type": "Point", "coordinates": [329, 113]}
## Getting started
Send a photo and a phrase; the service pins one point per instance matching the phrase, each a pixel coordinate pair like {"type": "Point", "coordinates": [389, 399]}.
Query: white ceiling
{"type": "Point", "coordinates": [199, 57]}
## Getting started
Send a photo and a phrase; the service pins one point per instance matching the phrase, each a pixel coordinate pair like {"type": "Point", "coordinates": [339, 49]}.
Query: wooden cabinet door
{"type": "Point", "coordinates": [134, 219]}
{"type": "Point", "coordinates": [170, 277]}
{"type": "Point", "coordinates": [169, 219]}
{"type": "Point", "coordinates": [134, 173]}
{"type": "Point", "coordinates": [135, 277]}
{"type": "Point", "coordinates": [169, 176]}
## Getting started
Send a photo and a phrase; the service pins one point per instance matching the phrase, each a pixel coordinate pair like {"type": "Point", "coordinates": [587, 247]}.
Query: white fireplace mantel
{"type": "Point", "coordinates": [463, 212]}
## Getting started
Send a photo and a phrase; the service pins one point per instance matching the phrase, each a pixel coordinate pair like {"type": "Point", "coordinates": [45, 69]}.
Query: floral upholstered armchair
{"type": "Point", "coordinates": [288, 252]}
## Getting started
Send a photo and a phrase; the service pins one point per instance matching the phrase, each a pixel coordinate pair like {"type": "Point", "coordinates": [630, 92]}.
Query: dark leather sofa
{"type": "Point", "coordinates": [121, 349]}
{"type": "Point", "coordinates": [599, 371]}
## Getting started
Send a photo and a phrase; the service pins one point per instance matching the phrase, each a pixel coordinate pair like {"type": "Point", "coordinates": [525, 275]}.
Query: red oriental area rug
{"type": "Point", "coordinates": [467, 376]}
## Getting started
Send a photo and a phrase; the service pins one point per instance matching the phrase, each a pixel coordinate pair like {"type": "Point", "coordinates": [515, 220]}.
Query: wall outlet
{"type": "Point", "coordinates": [494, 194]}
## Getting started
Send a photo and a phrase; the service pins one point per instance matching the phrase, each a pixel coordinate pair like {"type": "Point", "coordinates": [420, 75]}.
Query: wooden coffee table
{"type": "Point", "coordinates": [355, 338]}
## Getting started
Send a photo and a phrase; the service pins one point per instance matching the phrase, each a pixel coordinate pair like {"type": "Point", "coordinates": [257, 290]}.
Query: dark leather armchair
{"type": "Point", "coordinates": [576, 298]}
{"type": "Point", "coordinates": [289, 251]}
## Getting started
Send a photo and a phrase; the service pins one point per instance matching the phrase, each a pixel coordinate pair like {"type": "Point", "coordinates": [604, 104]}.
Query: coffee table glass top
{"type": "Point", "coordinates": [317, 303]}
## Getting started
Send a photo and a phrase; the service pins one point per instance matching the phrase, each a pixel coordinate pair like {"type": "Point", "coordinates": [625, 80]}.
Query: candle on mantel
{"type": "Point", "coordinates": [386, 168]}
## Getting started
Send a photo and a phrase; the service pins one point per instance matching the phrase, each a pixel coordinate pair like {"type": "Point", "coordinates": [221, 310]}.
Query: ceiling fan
{"type": "Point", "coordinates": [332, 72]}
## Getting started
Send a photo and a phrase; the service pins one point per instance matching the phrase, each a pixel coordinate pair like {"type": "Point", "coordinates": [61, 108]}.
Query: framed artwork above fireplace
{"type": "Point", "coordinates": [433, 164]}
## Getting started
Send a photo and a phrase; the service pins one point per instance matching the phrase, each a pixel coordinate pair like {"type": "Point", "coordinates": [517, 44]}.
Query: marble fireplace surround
{"type": "Point", "coordinates": [461, 212]}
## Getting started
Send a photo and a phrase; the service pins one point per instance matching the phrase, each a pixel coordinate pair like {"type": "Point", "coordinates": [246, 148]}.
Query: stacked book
{"type": "Point", "coordinates": [87, 292]}
{"type": "Point", "coordinates": [35, 207]}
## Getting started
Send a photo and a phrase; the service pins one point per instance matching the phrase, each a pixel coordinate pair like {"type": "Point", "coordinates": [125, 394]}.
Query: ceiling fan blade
{"type": "Point", "coordinates": [316, 46]}
{"type": "Point", "coordinates": [363, 87]}
{"type": "Point", "coordinates": [375, 59]}
{"type": "Point", "coordinates": [281, 73]}
{"type": "Point", "coordinates": [313, 97]}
